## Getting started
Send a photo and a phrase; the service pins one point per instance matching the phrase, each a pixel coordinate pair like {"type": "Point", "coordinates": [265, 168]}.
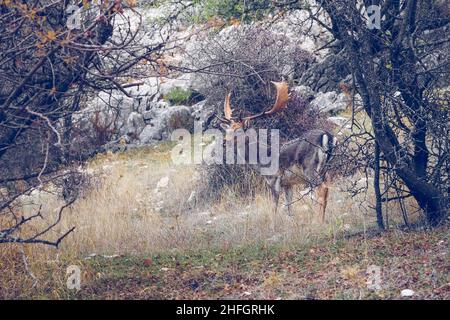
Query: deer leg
{"type": "Point", "coordinates": [322, 199]}
{"type": "Point", "coordinates": [274, 185]}
{"type": "Point", "coordinates": [288, 198]}
{"type": "Point", "coordinates": [276, 188]}
{"type": "Point", "coordinates": [275, 197]}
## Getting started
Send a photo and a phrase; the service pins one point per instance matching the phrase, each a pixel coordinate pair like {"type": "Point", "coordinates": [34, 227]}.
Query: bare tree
{"type": "Point", "coordinates": [54, 56]}
{"type": "Point", "coordinates": [400, 70]}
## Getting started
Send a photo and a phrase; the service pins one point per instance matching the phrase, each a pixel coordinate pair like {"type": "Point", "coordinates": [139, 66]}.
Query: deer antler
{"type": "Point", "coordinates": [227, 107]}
{"type": "Point", "coordinates": [280, 102]}
{"type": "Point", "coordinates": [282, 97]}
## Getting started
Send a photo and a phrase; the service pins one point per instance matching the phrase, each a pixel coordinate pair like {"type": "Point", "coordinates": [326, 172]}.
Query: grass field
{"type": "Point", "coordinates": [136, 237]}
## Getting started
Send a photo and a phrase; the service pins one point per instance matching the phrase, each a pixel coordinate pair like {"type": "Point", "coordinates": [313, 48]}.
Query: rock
{"type": "Point", "coordinates": [192, 197]}
{"type": "Point", "coordinates": [199, 108]}
{"type": "Point", "coordinates": [160, 203]}
{"type": "Point", "coordinates": [407, 293]}
{"type": "Point", "coordinates": [119, 145]}
{"type": "Point", "coordinates": [203, 113]}
{"type": "Point", "coordinates": [178, 117]}
{"type": "Point", "coordinates": [148, 116]}
{"type": "Point", "coordinates": [182, 82]}
{"type": "Point", "coordinates": [153, 118]}
{"type": "Point", "coordinates": [275, 238]}
{"type": "Point", "coordinates": [151, 109]}
{"type": "Point", "coordinates": [129, 113]}
{"type": "Point", "coordinates": [144, 118]}
{"type": "Point", "coordinates": [134, 125]}
{"type": "Point", "coordinates": [330, 102]}
{"type": "Point", "coordinates": [340, 121]}
{"type": "Point", "coordinates": [165, 121]}
{"type": "Point", "coordinates": [326, 75]}
{"type": "Point", "coordinates": [156, 106]}
{"type": "Point", "coordinates": [149, 88]}
{"type": "Point", "coordinates": [90, 256]}
{"type": "Point", "coordinates": [4, 192]}
{"type": "Point", "coordinates": [162, 183]}
{"type": "Point", "coordinates": [149, 134]}
{"type": "Point", "coordinates": [111, 256]}
{"type": "Point", "coordinates": [304, 92]}
{"type": "Point", "coordinates": [292, 25]}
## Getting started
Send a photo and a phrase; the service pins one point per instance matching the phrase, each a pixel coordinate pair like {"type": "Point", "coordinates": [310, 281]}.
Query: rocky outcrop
{"type": "Point", "coordinates": [331, 102]}
{"type": "Point", "coordinates": [204, 113]}
{"type": "Point", "coordinates": [341, 122]}
{"type": "Point", "coordinates": [163, 122]}
{"type": "Point", "coordinates": [326, 75]}
{"type": "Point", "coordinates": [143, 116]}
{"type": "Point", "coordinates": [304, 92]}
{"type": "Point", "coordinates": [135, 124]}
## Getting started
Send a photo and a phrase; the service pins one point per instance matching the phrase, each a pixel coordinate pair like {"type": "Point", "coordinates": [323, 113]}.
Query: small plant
{"type": "Point", "coordinates": [226, 9]}
{"type": "Point", "coordinates": [230, 10]}
{"type": "Point", "coordinates": [178, 96]}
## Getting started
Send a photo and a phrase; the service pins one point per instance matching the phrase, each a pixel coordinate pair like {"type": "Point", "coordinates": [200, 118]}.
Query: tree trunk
{"type": "Point", "coordinates": [376, 184]}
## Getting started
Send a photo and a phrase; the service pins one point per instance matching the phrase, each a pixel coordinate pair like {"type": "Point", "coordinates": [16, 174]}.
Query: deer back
{"type": "Point", "coordinates": [302, 160]}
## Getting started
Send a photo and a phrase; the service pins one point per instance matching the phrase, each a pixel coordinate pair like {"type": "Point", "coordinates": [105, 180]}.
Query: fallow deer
{"type": "Point", "coordinates": [302, 161]}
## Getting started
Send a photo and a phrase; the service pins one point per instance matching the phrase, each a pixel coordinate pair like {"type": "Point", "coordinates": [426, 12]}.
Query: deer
{"type": "Point", "coordinates": [302, 161]}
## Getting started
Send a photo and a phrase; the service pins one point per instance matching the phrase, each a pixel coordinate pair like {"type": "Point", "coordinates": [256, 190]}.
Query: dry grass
{"type": "Point", "coordinates": [128, 215]}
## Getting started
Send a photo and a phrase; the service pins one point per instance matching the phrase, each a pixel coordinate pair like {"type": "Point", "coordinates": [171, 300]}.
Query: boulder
{"type": "Point", "coordinates": [182, 82]}
{"type": "Point", "coordinates": [304, 92]}
{"type": "Point", "coordinates": [154, 110]}
{"type": "Point", "coordinates": [134, 124]}
{"type": "Point", "coordinates": [326, 75]}
{"type": "Point", "coordinates": [311, 38]}
{"type": "Point", "coordinates": [149, 134]}
{"type": "Point", "coordinates": [407, 293]}
{"type": "Point", "coordinates": [203, 113]}
{"type": "Point", "coordinates": [163, 122]}
{"type": "Point", "coordinates": [331, 102]}
{"type": "Point", "coordinates": [149, 88]}
{"type": "Point", "coordinates": [340, 121]}
{"type": "Point", "coordinates": [178, 117]}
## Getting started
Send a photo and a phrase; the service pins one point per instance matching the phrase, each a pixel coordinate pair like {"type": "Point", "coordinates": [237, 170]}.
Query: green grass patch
{"type": "Point", "coordinates": [179, 96]}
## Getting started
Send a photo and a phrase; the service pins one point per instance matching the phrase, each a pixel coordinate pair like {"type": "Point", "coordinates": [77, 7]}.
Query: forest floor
{"type": "Point", "coordinates": [419, 261]}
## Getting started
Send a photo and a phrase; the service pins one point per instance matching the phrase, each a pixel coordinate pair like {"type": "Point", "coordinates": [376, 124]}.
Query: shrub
{"type": "Point", "coordinates": [247, 11]}
{"type": "Point", "coordinates": [223, 8]}
{"type": "Point", "coordinates": [244, 60]}
{"type": "Point", "coordinates": [178, 96]}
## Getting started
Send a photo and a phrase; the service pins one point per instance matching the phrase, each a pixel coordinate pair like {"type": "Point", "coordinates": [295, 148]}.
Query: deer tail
{"type": "Point", "coordinates": [328, 143]}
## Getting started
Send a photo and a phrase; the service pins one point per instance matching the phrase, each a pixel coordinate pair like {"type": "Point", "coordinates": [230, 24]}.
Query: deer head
{"type": "Point", "coordinates": [231, 124]}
